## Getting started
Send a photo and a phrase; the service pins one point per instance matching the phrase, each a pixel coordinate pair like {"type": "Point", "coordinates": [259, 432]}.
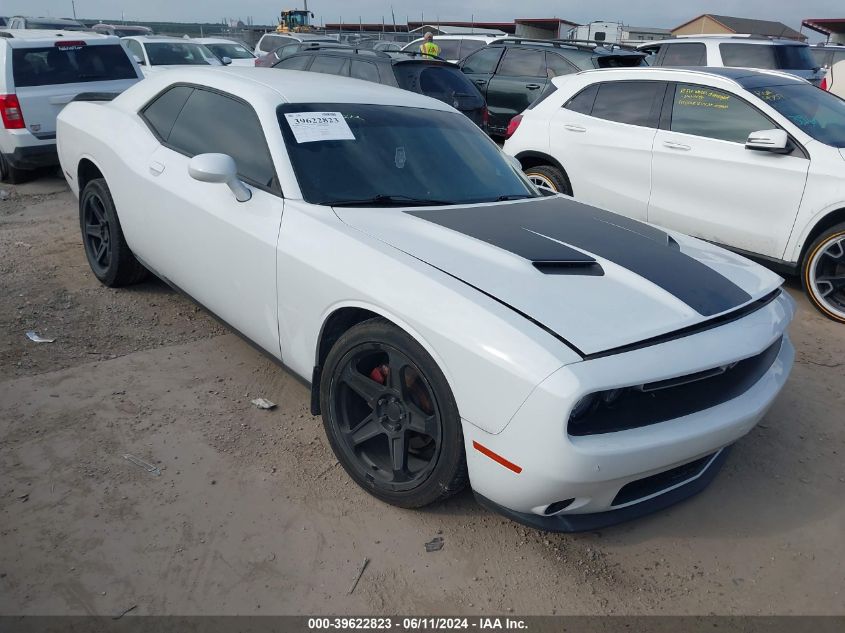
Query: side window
{"type": "Point", "coordinates": [583, 101]}
{"type": "Point", "coordinates": [367, 71]}
{"type": "Point", "coordinates": [272, 42]}
{"type": "Point", "coordinates": [161, 113]}
{"type": "Point", "coordinates": [557, 66]}
{"type": "Point", "coordinates": [748, 56]}
{"type": "Point", "coordinates": [692, 54]}
{"type": "Point", "coordinates": [330, 65]}
{"type": "Point", "coordinates": [298, 62]}
{"type": "Point", "coordinates": [214, 123]}
{"type": "Point", "coordinates": [521, 62]}
{"type": "Point", "coordinates": [135, 49]}
{"type": "Point", "coordinates": [449, 48]}
{"type": "Point", "coordinates": [470, 46]}
{"type": "Point", "coordinates": [705, 111]}
{"type": "Point", "coordinates": [483, 62]}
{"type": "Point", "coordinates": [631, 102]}
{"type": "Point", "coordinates": [285, 51]}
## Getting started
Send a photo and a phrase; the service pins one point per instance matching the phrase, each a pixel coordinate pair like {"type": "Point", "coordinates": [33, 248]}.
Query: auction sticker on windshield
{"type": "Point", "coordinates": [319, 126]}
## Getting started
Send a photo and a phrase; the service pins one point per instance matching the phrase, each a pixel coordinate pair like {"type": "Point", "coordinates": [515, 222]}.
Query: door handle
{"type": "Point", "coordinates": [156, 168]}
{"type": "Point", "coordinates": [480, 82]}
{"type": "Point", "coordinates": [532, 86]}
{"type": "Point", "coordinates": [574, 128]}
{"type": "Point", "coordinates": [678, 146]}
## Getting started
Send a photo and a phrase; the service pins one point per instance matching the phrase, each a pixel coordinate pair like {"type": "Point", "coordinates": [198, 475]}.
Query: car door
{"type": "Point", "coordinates": [519, 79]}
{"type": "Point", "coordinates": [481, 65]}
{"type": "Point", "coordinates": [197, 235]}
{"type": "Point", "coordinates": [603, 137]}
{"type": "Point", "coordinates": [706, 183]}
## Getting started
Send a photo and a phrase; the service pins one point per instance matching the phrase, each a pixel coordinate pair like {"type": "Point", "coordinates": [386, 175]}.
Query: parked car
{"type": "Point", "coordinates": [121, 30]}
{"type": "Point", "coordinates": [43, 71]}
{"type": "Point", "coordinates": [736, 51]}
{"type": "Point", "coordinates": [454, 48]}
{"type": "Point", "coordinates": [273, 47]}
{"type": "Point", "coordinates": [753, 160]}
{"type": "Point", "coordinates": [52, 24]}
{"type": "Point", "coordinates": [417, 73]}
{"type": "Point", "coordinates": [577, 368]}
{"type": "Point", "coordinates": [388, 47]}
{"type": "Point", "coordinates": [236, 53]}
{"type": "Point", "coordinates": [283, 52]}
{"type": "Point", "coordinates": [158, 52]}
{"type": "Point", "coordinates": [512, 73]}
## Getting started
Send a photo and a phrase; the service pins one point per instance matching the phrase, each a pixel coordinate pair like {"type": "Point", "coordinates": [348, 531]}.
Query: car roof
{"type": "Point", "coordinates": [733, 39]}
{"type": "Point", "coordinates": [255, 84]}
{"type": "Point", "coordinates": [56, 35]}
{"type": "Point", "coordinates": [368, 54]}
{"type": "Point", "coordinates": [302, 37]}
{"type": "Point", "coordinates": [564, 45]}
{"type": "Point", "coordinates": [157, 39]}
{"type": "Point", "coordinates": [746, 78]}
{"type": "Point", "coordinates": [49, 19]}
{"type": "Point", "coordinates": [214, 40]}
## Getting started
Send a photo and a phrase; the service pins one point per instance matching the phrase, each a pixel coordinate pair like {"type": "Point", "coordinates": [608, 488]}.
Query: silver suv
{"type": "Point", "coordinates": [737, 51]}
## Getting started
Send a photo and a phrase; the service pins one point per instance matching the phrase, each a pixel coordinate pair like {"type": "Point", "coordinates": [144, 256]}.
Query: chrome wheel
{"type": "Point", "coordinates": [826, 275]}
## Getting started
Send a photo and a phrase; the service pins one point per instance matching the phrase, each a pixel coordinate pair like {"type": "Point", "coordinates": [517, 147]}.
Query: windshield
{"type": "Point", "coordinates": [818, 113]}
{"type": "Point", "coordinates": [394, 155]}
{"type": "Point", "coordinates": [178, 54]}
{"type": "Point", "coordinates": [232, 51]}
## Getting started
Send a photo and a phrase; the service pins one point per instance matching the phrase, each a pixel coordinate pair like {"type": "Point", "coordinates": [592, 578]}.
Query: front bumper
{"type": "Point", "coordinates": [590, 476]}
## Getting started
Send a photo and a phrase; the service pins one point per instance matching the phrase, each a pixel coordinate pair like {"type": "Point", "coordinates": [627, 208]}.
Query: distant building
{"type": "Point", "coordinates": [710, 24]}
{"type": "Point", "coordinates": [447, 29]}
{"type": "Point", "coordinates": [832, 28]}
{"type": "Point", "coordinates": [640, 34]}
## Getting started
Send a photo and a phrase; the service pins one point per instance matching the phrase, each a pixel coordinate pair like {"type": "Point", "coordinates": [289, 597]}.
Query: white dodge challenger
{"type": "Point", "coordinates": [455, 324]}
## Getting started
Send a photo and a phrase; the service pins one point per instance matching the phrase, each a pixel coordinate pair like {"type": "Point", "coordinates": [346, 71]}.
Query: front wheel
{"type": "Point", "coordinates": [109, 256]}
{"type": "Point", "coordinates": [550, 178]}
{"type": "Point", "coordinates": [390, 417]}
{"type": "Point", "coordinates": [823, 273]}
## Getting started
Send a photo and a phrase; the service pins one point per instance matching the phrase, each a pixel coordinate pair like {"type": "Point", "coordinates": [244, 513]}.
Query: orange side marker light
{"type": "Point", "coordinates": [496, 457]}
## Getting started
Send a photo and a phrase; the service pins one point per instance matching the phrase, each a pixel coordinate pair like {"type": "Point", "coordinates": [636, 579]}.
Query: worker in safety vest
{"type": "Point", "coordinates": [428, 47]}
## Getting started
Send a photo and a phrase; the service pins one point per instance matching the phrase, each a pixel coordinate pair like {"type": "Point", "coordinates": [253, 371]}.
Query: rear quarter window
{"type": "Point", "coordinates": [444, 83]}
{"type": "Point", "coordinates": [691, 54]}
{"type": "Point", "coordinates": [70, 64]}
{"type": "Point", "coordinates": [748, 56]}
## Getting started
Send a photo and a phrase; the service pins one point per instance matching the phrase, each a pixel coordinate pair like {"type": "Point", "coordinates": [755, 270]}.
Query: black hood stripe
{"type": "Point", "coordinates": [553, 229]}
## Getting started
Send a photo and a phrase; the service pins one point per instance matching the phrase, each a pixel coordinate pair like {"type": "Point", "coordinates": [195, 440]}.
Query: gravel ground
{"type": "Point", "coordinates": [252, 515]}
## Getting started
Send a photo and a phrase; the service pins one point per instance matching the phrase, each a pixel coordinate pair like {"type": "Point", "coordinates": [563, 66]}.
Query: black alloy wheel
{"type": "Point", "coordinates": [390, 417]}
{"type": "Point", "coordinates": [96, 233]}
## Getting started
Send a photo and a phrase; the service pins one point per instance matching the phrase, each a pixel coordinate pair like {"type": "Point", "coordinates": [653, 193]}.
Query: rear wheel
{"type": "Point", "coordinates": [108, 254]}
{"type": "Point", "coordinates": [390, 417]}
{"type": "Point", "coordinates": [549, 177]}
{"type": "Point", "coordinates": [823, 273]}
{"type": "Point", "coordinates": [12, 175]}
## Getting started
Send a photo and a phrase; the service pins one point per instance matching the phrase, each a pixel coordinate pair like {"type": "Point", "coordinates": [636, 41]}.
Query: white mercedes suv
{"type": "Point", "coordinates": [748, 159]}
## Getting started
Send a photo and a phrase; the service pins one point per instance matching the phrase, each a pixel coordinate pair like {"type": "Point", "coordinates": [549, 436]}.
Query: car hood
{"type": "Point", "coordinates": [598, 280]}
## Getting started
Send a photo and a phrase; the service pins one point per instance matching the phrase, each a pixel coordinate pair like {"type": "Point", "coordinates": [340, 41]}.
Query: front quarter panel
{"type": "Point", "coordinates": [491, 356]}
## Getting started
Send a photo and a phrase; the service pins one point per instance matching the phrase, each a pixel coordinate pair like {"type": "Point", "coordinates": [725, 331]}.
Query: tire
{"type": "Point", "coordinates": [110, 258]}
{"type": "Point", "coordinates": [12, 175]}
{"type": "Point", "coordinates": [550, 178]}
{"type": "Point", "coordinates": [383, 396]}
{"type": "Point", "coordinates": [823, 273]}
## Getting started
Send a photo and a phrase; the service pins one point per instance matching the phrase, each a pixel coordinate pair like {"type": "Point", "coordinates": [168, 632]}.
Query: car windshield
{"type": "Point", "coordinates": [232, 51]}
{"type": "Point", "coordinates": [367, 155]}
{"type": "Point", "coordinates": [818, 113]}
{"type": "Point", "coordinates": [178, 54]}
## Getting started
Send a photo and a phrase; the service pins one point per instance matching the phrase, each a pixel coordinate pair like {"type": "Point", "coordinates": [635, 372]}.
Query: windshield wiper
{"type": "Point", "coordinates": [515, 196]}
{"type": "Point", "coordinates": [392, 200]}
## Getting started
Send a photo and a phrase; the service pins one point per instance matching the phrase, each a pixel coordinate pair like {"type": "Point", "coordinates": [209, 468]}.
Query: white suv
{"type": "Point", "coordinates": [752, 160]}
{"type": "Point", "coordinates": [40, 72]}
{"type": "Point", "coordinates": [736, 51]}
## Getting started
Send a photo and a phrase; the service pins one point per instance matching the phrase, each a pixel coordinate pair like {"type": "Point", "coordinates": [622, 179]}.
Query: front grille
{"type": "Point", "coordinates": [642, 488]}
{"type": "Point", "coordinates": [666, 400]}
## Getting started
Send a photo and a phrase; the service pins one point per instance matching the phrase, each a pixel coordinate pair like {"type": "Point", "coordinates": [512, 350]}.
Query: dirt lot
{"type": "Point", "coordinates": [251, 513]}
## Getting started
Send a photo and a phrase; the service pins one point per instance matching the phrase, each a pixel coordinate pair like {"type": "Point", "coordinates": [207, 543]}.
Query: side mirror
{"type": "Point", "coordinates": [219, 168]}
{"type": "Point", "coordinates": [140, 61]}
{"type": "Point", "coordinates": [226, 61]}
{"type": "Point", "coordinates": [775, 141]}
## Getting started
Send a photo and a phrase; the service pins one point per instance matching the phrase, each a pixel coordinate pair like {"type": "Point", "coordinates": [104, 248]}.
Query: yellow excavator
{"type": "Point", "coordinates": [295, 20]}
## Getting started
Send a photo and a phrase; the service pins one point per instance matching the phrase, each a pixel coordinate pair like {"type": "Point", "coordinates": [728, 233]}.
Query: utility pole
{"type": "Point", "coordinates": [73, 5]}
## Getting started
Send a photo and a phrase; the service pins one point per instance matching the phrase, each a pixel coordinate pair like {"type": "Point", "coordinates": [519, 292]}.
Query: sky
{"type": "Point", "coordinates": [657, 13]}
